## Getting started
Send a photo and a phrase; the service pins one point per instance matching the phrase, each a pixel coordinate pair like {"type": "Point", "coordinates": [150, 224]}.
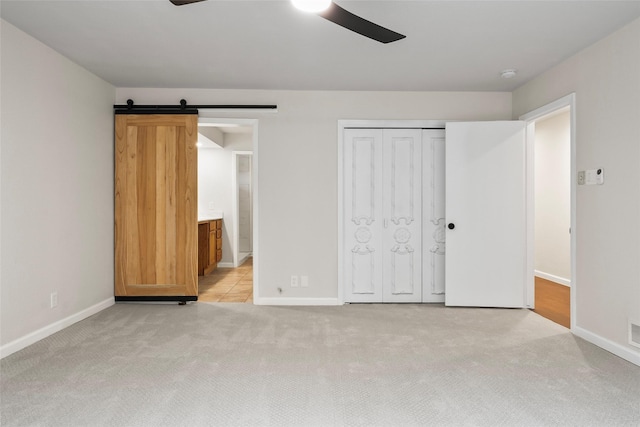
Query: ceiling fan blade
{"type": "Point", "coordinates": [183, 2]}
{"type": "Point", "coordinates": [352, 22]}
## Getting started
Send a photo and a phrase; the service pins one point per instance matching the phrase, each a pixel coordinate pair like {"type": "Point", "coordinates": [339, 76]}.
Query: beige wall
{"type": "Point", "coordinates": [298, 158]}
{"type": "Point", "coordinates": [606, 80]}
{"type": "Point", "coordinates": [57, 186]}
{"type": "Point", "coordinates": [553, 198]}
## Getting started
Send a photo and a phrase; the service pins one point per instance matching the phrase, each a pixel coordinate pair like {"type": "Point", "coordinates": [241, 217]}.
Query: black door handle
{"type": "Point", "coordinates": [451, 226]}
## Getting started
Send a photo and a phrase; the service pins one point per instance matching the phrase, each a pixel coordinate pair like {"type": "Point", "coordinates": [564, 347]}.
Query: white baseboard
{"type": "Point", "coordinates": [552, 278]}
{"type": "Point", "coordinates": [226, 265]}
{"type": "Point", "coordinates": [51, 329]}
{"type": "Point", "coordinates": [296, 301]}
{"type": "Point", "coordinates": [243, 257]}
{"type": "Point", "coordinates": [610, 346]}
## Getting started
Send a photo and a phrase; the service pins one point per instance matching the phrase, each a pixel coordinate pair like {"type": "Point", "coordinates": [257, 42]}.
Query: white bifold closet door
{"type": "Point", "coordinates": [383, 219]}
{"type": "Point", "coordinates": [433, 215]}
{"type": "Point", "coordinates": [363, 214]}
{"type": "Point", "coordinates": [401, 215]}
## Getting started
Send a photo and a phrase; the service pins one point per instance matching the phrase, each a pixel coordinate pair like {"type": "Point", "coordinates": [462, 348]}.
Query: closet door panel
{"type": "Point", "coordinates": [402, 207]}
{"type": "Point", "coordinates": [363, 215]}
{"type": "Point", "coordinates": [433, 215]}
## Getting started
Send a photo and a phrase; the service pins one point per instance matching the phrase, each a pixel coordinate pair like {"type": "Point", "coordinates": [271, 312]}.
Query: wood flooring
{"type": "Point", "coordinates": [553, 301]}
{"type": "Point", "coordinates": [228, 284]}
{"type": "Point", "coordinates": [236, 285]}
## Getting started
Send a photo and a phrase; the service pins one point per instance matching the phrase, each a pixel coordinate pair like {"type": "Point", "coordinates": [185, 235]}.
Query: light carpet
{"type": "Point", "coordinates": [353, 365]}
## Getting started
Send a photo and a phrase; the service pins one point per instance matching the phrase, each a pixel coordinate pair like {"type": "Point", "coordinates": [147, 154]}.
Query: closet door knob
{"type": "Point", "coordinates": [451, 226]}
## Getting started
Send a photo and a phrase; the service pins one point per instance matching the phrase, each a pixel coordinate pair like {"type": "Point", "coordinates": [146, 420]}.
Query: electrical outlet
{"type": "Point", "coordinates": [54, 299]}
{"type": "Point", "coordinates": [294, 281]}
{"type": "Point", "coordinates": [581, 178]}
{"type": "Point", "coordinates": [304, 281]}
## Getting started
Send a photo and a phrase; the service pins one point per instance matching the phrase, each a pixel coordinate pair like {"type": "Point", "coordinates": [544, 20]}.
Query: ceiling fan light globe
{"type": "Point", "coordinates": [311, 6]}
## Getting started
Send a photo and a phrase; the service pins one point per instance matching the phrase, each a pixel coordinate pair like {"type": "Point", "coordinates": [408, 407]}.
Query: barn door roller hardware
{"type": "Point", "coordinates": [183, 108]}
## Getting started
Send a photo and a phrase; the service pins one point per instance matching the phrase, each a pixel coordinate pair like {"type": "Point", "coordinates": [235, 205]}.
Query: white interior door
{"type": "Point", "coordinates": [363, 215]}
{"type": "Point", "coordinates": [402, 212]}
{"type": "Point", "coordinates": [485, 211]}
{"type": "Point", "coordinates": [433, 215]}
{"type": "Point", "coordinates": [383, 215]}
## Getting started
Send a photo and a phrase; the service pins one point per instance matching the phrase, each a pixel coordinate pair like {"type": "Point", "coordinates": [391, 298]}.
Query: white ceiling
{"type": "Point", "coordinates": [450, 45]}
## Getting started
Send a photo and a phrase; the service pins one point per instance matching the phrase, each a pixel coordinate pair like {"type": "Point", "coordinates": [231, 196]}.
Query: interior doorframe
{"type": "Point", "coordinates": [530, 118]}
{"type": "Point", "coordinates": [364, 124]}
{"type": "Point", "coordinates": [254, 123]}
{"type": "Point", "coordinates": [236, 202]}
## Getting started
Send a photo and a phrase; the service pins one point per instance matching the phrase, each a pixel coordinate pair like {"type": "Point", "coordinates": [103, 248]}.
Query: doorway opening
{"type": "Point", "coordinates": [227, 189]}
{"type": "Point", "coordinates": [551, 211]}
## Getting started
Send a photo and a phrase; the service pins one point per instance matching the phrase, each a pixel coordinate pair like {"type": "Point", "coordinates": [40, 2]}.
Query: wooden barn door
{"type": "Point", "coordinates": [156, 207]}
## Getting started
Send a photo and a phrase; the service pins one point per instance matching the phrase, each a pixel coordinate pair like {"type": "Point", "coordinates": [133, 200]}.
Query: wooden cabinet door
{"type": "Point", "coordinates": [218, 240]}
{"type": "Point", "coordinates": [156, 234]}
{"type": "Point", "coordinates": [212, 247]}
{"type": "Point", "coordinates": [203, 248]}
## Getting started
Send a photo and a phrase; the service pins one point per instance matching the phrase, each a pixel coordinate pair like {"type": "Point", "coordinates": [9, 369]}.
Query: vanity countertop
{"type": "Point", "coordinates": [209, 216]}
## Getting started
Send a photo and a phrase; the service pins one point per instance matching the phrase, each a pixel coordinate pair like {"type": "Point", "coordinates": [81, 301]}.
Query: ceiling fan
{"type": "Point", "coordinates": [344, 18]}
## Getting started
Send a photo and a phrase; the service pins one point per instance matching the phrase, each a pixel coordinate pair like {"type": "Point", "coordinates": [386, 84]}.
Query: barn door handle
{"type": "Point", "coordinates": [451, 226]}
